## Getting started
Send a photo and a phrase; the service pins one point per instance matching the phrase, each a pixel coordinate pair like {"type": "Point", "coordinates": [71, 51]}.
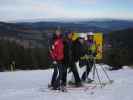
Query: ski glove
{"type": "Point", "coordinates": [54, 62]}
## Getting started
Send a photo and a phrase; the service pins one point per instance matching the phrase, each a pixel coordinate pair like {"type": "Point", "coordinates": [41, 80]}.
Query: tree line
{"type": "Point", "coordinates": [121, 51]}
{"type": "Point", "coordinates": [24, 58]}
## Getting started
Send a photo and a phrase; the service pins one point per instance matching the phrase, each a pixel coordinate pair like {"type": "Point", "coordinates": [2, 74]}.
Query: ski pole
{"type": "Point", "coordinates": [86, 70]}
{"type": "Point", "coordinates": [98, 76]}
{"type": "Point", "coordinates": [94, 69]}
{"type": "Point", "coordinates": [106, 73]}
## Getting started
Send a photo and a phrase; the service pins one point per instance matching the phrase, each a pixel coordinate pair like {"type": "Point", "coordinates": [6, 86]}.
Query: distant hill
{"type": "Point", "coordinates": [21, 33]}
{"type": "Point", "coordinates": [104, 26]}
{"type": "Point", "coordinates": [97, 25]}
{"type": "Point", "coordinates": [9, 29]}
{"type": "Point", "coordinates": [37, 31]}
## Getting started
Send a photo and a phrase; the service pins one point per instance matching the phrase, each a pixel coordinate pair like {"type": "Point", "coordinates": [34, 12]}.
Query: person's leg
{"type": "Point", "coordinates": [86, 72]}
{"type": "Point", "coordinates": [76, 74]}
{"type": "Point", "coordinates": [89, 65]}
{"type": "Point", "coordinates": [59, 81]}
{"type": "Point", "coordinates": [54, 76]}
{"type": "Point", "coordinates": [64, 75]}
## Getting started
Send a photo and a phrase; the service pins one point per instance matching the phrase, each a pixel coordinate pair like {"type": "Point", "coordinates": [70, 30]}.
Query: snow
{"type": "Point", "coordinates": [32, 85]}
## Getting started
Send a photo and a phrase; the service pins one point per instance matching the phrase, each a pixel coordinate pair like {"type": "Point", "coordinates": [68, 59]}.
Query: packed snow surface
{"type": "Point", "coordinates": [32, 85]}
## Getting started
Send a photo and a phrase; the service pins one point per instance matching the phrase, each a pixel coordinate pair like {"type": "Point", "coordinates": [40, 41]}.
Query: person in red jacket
{"type": "Point", "coordinates": [57, 51]}
{"type": "Point", "coordinates": [57, 55]}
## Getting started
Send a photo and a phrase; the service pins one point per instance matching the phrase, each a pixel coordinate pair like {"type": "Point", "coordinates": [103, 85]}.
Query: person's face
{"type": "Point", "coordinates": [58, 33]}
{"type": "Point", "coordinates": [70, 36]}
{"type": "Point", "coordinates": [81, 40]}
{"type": "Point", "coordinates": [90, 37]}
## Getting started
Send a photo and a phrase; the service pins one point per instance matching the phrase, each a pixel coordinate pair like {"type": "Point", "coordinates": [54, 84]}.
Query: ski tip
{"type": "Point", "coordinates": [111, 81]}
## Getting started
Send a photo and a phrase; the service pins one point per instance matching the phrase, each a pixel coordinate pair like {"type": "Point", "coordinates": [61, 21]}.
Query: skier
{"type": "Point", "coordinates": [57, 55]}
{"type": "Point", "coordinates": [80, 47]}
{"type": "Point", "coordinates": [91, 54]}
{"type": "Point", "coordinates": [70, 57]}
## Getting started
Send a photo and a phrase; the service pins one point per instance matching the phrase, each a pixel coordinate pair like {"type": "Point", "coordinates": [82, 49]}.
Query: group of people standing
{"type": "Point", "coordinates": [65, 52]}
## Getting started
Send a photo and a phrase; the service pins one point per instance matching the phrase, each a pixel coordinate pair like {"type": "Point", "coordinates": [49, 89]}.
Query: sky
{"type": "Point", "coordinates": [65, 9]}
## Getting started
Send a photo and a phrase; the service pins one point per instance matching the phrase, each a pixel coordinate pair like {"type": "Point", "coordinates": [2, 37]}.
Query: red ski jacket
{"type": "Point", "coordinates": [57, 52]}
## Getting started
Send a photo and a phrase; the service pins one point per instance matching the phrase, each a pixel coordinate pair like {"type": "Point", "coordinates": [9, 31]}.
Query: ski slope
{"type": "Point", "coordinates": [32, 85]}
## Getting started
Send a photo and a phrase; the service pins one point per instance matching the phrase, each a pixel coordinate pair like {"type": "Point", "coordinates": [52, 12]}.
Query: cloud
{"type": "Point", "coordinates": [32, 9]}
{"type": "Point", "coordinates": [28, 9]}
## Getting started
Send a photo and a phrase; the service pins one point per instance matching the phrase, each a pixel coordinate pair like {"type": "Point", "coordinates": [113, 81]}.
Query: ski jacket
{"type": "Point", "coordinates": [79, 50]}
{"type": "Point", "coordinates": [68, 52]}
{"type": "Point", "coordinates": [73, 50]}
{"type": "Point", "coordinates": [91, 46]}
{"type": "Point", "coordinates": [57, 52]}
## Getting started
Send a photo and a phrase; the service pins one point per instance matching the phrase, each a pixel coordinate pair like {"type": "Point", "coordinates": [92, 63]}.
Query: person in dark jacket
{"type": "Point", "coordinates": [70, 57]}
{"type": "Point", "coordinates": [79, 48]}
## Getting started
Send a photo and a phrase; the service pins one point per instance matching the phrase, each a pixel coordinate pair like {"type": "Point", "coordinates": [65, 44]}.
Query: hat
{"type": "Point", "coordinates": [75, 36]}
{"type": "Point", "coordinates": [82, 35]}
{"type": "Point", "coordinates": [90, 33]}
{"type": "Point", "coordinates": [67, 33]}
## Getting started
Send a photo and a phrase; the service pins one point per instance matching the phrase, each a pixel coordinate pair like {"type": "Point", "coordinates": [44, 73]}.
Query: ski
{"type": "Point", "coordinates": [103, 83]}
{"type": "Point", "coordinates": [52, 90]}
{"type": "Point", "coordinates": [61, 89]}
{"type": "Point", "coordinates": [85, 88]}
